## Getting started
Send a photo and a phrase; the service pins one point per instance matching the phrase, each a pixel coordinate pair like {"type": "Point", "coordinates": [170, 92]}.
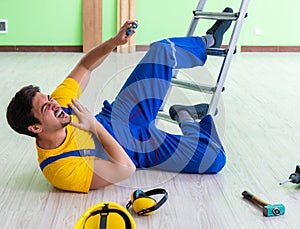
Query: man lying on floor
{"type": "Point", "coordinates": [78, 151]}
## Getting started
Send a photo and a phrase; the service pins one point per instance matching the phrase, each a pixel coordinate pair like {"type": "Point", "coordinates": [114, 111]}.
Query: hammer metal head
{"type": "Point", "coordinates": [273, 210]}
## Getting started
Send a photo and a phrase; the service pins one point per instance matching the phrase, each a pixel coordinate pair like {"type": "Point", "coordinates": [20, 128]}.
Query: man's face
{"type": "Point", "coordinates": [49, 113]}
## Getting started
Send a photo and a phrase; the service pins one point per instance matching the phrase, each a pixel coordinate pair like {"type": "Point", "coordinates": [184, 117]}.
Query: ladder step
{"type": "Point", "coordinates": [165, 116]}
{"type": "Point", "coordinates": [193, 86]}
{"type": "Point", "coordinates": [216, 16]}
{"type": "Point", "coordinates": [218, 52]}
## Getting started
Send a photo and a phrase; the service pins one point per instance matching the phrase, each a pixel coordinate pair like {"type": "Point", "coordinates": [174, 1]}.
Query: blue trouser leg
{"type": "Point", "coordinates": [132, 114]}
{"type": "Point", "coordinates": [150, 80]}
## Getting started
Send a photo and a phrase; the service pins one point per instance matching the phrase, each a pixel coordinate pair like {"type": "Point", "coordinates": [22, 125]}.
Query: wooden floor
{"type": "Point", "coordinates": [258, 122]}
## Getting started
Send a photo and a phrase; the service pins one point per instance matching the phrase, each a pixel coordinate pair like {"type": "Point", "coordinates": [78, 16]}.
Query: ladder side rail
{"type": "Point", "coordinates": [227, 60]}
{"type": "Point", "coordinates": [195, 21]}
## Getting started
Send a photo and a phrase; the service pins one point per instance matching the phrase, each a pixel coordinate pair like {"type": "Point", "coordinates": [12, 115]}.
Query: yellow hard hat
{"type": "Point", "coordinates": [106, 215]}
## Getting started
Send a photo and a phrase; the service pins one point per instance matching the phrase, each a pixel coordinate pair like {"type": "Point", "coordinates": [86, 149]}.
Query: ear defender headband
{"type": "Point", "coordinates": [143, 204]}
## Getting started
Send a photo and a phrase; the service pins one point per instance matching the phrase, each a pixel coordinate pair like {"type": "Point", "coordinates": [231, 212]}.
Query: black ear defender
{"type": "Point", "coordinates": [143, 204]}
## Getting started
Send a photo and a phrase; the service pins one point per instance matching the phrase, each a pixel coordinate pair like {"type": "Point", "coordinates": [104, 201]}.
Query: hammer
{"type": "Point", "coordinates": [268, 209]}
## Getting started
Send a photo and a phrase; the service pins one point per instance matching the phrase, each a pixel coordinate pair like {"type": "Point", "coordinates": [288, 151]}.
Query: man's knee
{"type": "Point", "coordinates": [160, 52]}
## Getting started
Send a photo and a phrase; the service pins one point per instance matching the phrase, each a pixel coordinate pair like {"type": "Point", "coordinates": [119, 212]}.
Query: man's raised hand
{"type": "Point", "coordinates": [122, 37]}
{"type": "Point", "coordinates": [85, 117]}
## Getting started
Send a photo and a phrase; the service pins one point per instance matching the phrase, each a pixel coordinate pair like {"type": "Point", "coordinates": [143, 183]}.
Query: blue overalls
{"type": "Point", "coordinates": [130, 118]}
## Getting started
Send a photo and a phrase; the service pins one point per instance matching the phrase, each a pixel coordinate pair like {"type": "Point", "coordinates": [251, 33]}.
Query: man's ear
{"type": "Point", "coordinates": [35, 128]}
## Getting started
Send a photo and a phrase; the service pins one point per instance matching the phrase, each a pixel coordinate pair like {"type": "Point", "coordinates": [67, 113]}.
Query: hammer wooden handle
{"type": "Point", "coordinates": [252, 198]}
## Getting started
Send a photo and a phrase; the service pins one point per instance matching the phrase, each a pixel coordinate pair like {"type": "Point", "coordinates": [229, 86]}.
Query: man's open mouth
{"type": "Point", "coordinates": [59, 113]}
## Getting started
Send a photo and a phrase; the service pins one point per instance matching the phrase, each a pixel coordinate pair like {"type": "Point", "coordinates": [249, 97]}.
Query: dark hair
{"type": "Point", "coordinates": [19, 111]}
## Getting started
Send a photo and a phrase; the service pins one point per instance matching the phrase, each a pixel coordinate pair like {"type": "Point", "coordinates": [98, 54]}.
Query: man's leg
{"type": "Point", "coordinates": [129, 118]}
{"type": "Point", "coordinates": [139, 100]}
{"type": "Point", "coordinates": [151, 78]}
{"type": "Point", "coordinates": [141, 97]}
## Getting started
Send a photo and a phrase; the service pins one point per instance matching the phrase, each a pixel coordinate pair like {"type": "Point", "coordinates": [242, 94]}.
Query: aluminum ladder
{"type": "Point", "coordinates": [226, 54]}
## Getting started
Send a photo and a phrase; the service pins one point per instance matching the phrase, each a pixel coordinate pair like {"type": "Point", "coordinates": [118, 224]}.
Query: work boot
{"type": "Point", "coordinates": [219, 28]}
{"type": "Point", "coordinates": [197, 111]}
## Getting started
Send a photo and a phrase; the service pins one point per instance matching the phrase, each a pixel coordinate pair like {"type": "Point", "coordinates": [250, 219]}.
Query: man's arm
{"type": "Point", "coordinates": [82, 71]}
{"type": "Point", "coordinates": [119, 166]}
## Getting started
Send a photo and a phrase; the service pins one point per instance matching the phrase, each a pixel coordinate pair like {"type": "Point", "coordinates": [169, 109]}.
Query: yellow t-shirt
{"type": "Point", "coordinates": [72, 173]}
